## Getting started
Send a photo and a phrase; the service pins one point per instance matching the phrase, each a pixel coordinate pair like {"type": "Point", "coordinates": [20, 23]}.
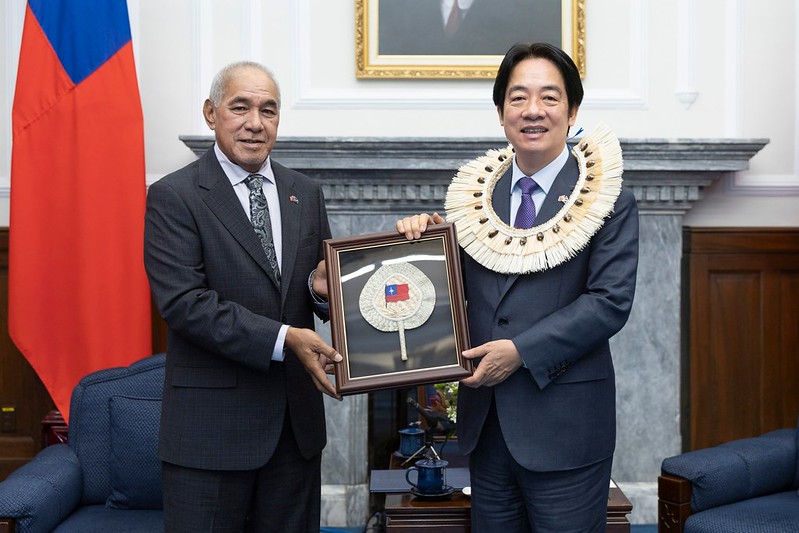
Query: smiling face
{"type": "Point", "coordinates": [245, 121]}
{"type": "Point", "coordinates": [535, 113]}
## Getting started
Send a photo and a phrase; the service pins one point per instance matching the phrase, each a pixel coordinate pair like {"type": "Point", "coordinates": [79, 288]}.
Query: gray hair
{"type": "Point", "coordinates": [222, 78]}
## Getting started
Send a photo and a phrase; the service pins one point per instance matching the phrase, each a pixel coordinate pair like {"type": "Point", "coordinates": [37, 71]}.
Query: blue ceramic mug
{"type": "Point", "coordinates": [411, 440]}
{"type": "Point", "coordinates": [429, 476]}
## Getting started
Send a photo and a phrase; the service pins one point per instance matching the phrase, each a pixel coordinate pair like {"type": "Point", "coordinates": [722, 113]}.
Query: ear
{"type": "Point", "coordinates": [573, 116]}
{"type": "Point", "coordinates": [208, 114]}
{"type": "Point", "coordinates": [501, 116]}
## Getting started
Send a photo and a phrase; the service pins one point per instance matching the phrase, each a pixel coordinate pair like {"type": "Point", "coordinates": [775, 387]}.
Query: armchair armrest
{"type": "Point", "coordinates": [674, 503]}
{"type": "Point", "coordinates": [42, 493]}
{"type": "Point", "coordinates": [737, 470]}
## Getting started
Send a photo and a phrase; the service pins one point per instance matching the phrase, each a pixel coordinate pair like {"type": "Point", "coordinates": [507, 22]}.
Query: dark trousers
{"type": "Point", "coordinates": [506, 497]}
{"type": "Point", "coordinates": [283, 495]}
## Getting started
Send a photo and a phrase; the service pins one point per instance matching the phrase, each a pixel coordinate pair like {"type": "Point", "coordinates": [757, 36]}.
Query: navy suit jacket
{"type": "Point", "coordinates": [559, 412]}
{"type": "Point", "coordinates": [224, 398]}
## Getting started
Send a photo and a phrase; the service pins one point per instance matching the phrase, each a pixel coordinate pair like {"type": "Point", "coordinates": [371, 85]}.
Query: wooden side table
{"type": "Point", "coordinates": [618, 509]}
{"type": "Point", "coordinates": [406, 513]}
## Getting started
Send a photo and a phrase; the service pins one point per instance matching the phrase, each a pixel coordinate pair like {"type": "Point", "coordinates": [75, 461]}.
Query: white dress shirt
{"type": "Point", "coordinates": [446, 8]}
{"type": "Point", "coordinates": [544, 178]}
{"type": "Point", "coordinates": [237, 175]}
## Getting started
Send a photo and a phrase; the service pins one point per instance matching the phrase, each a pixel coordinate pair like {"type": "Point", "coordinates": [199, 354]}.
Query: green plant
{"type": "Point", "coordinates": [445, 400]}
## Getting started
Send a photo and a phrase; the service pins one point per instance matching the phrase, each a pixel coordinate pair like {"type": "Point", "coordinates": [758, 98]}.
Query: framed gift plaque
{"type": "Point", "coordinates": [397, 311]}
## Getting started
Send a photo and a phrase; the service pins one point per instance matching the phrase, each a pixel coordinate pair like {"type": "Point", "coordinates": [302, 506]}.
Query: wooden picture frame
{"type": "Point", "coordinates": [397, 310]}
{"type": "Point", "coordinates": [407, 38]}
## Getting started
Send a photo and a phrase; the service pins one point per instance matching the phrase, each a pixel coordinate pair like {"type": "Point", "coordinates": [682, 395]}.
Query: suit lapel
{"type": "Point", "coordinates": [500, 200]}
{"type": "Point", "coordinates": [291, 218]}
{"type": "Point", "coordinates": [562, 186]}
{"type": "Point", "coordinates": [220, 198]}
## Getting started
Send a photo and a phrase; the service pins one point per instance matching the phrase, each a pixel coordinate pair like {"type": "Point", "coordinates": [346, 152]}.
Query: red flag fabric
{"type": "Point", "coordinates": [397, 292]}
{"type": "Point", "coordinates": [78, 295]}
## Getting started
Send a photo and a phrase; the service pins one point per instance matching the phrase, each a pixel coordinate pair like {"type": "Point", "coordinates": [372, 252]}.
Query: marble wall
{"type": "Point", "coordinates": [370, 183]}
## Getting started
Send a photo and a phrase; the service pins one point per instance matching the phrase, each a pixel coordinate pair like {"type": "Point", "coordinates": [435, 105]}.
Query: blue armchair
{"type": "Point", "coordinates": [744, 486]}
{"type": "Point", "coordinates": [108, 477]}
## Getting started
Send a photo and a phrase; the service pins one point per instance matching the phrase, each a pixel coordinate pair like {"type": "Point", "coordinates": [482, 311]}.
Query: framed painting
{"type": "Point", "coordinates": [464, 39]}
{"type": "Point", "coordinates": [397, 311]}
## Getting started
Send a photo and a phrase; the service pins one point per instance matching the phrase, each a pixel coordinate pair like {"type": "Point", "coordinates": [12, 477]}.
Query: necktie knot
{"type": "Point", "coordinates": [254, 181]}
{"type": "Point", "coordinates": [527, 185]}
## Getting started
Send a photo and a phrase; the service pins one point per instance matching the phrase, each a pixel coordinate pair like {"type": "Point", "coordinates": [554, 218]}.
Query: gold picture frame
{"type": "Point", "coordinates": [370, 63]}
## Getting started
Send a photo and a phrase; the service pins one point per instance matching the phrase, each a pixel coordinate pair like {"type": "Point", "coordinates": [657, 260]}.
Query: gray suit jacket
{"type": "Point", "coordinates": [224, 398]}
{"type": "Point", "coordinates": [559, 412]}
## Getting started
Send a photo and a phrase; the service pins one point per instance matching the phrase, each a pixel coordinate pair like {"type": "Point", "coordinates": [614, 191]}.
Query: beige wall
{"type": "Point", "coordinates": [680, 69]}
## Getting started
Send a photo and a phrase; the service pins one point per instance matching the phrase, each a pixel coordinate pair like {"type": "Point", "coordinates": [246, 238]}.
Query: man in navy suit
{"type": "Point", "coordinates": [242, 424]}
{"type": "Point", "coordinates": [538, 415]}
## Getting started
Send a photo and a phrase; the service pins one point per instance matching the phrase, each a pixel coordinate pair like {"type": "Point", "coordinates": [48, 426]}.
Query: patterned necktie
{"type": "Point", "coordinates": [259, 214]}
{"type": "Point", "coordinates": [525, 216]}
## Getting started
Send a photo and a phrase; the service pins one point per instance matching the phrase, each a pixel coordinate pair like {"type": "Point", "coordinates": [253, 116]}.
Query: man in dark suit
{"type": "Point", "coordinates": [464, 27]}
{"type": "Point", "coordinates": [538, 415]}
{"type": "Point", "coordinates": [231, 245]}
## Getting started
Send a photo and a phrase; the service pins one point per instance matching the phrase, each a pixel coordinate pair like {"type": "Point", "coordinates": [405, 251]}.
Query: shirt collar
{"type": "Point", "coordinates": [236, 174]}
{"type": "Point", "coordinates": [463, 4]}
{"type": "Point", "coordinates": [546, 176]}
{"type": "Point", "coordinates": [446, 7]}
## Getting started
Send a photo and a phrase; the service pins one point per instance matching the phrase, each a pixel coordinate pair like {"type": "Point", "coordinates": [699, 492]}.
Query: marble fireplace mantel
{"type": "Point", "coordinates": [666, 175]}
{"type": "Point", "coordinates": [369, 183]}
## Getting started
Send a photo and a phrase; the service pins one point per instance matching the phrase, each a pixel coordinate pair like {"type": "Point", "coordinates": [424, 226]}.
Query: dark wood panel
{"type": "Point", "coordinates": [159, 331]}
{"type": "Point", "coordinates": [781, 337]}
{"type": "Point", "coordinates": [14, 452]}
{"type": "Point", "coordinates": [726, 377]}
{"type": "Point", "coordinates": [741, 240]}
{"type": "Point", "coordinates": [743, 363]}
{"type": "Point", "coordinates": [20, 387]}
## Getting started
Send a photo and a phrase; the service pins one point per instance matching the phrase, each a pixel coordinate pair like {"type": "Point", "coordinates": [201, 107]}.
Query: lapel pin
{"type": "Point", "coordinates": [563, 198]}
{"type": "Point", "coordinates": [293, 199]}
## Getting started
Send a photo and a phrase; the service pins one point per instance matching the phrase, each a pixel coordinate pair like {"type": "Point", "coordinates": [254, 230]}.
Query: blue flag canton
{"type": "Point", "coordinates": [83, 33]}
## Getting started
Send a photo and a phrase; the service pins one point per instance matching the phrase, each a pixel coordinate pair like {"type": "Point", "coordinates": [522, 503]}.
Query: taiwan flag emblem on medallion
{"type": "Point", "coordinates": [397, 292]}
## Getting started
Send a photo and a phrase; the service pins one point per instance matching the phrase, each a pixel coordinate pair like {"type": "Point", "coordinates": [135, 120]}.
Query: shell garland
{"type": "Point", "coordinates": [508, 250]}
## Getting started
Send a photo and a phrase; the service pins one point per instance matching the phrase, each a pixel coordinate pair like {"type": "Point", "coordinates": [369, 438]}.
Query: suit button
{"type": "Point", "coordinates": [503, 321]}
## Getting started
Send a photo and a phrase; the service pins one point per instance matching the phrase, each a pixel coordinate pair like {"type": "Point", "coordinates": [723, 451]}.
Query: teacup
{"type": "Point", "coordinates": [411, 440]}
{"type": "Point", "coordinates": [430, 476]}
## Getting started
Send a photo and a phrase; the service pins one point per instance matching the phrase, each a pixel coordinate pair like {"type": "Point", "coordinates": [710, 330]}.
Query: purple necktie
{"type": "Point", "coordinates": [525, 216]}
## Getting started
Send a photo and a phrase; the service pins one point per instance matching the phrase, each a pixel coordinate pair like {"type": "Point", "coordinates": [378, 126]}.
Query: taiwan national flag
{"type": "Point", "coordinates": [396, 292]}
{"type": "Point", "coordinates": [78, 295]}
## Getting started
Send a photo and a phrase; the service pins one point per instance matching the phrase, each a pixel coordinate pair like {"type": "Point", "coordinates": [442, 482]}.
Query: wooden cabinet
{"type": "Point", "coordinates": [740, 331]}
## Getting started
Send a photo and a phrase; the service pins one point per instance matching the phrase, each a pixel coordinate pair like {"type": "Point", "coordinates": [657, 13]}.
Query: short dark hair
{"type": "Point", "coordinates": [521, 51]}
